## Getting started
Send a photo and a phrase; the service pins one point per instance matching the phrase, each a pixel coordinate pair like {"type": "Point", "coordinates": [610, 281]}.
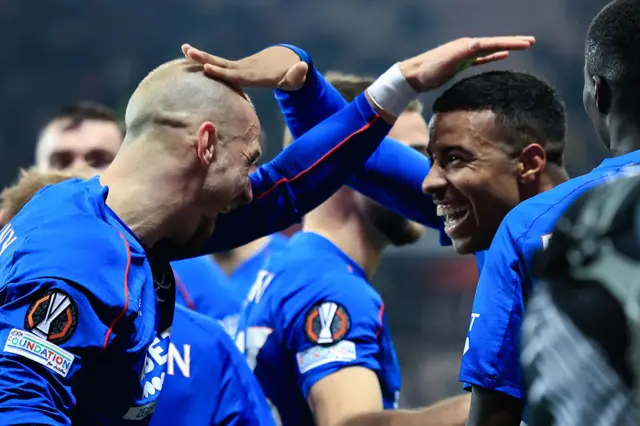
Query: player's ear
{"type": "Point", "coordinates": [532, 161]}
{"type": "Point", "coordinates": [207, 142]}
{"type": "Point", "coordinates": [602, 94]}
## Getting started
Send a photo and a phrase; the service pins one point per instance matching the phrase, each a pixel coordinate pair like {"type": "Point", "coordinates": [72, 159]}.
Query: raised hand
{"type": "Point", "coordinates": [435, 67]}
{"type": "Point", "coordinates": [271, 68]}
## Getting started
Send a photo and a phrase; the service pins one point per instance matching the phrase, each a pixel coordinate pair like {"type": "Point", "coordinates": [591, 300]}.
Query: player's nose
{"type": "Point", "coordinates": [435, 181]}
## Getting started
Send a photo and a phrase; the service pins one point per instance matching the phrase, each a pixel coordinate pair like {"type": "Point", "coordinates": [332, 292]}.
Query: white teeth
{"type": "Point", "coordinates": [446, 210]}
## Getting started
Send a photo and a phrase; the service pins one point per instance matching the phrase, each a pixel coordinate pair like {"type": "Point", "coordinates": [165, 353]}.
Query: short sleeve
{"type": "Point", "coordinates": [51, 332]}
{"type": "Point", "coordinates": [333, 327]}
{"type": "Point", "coordinates": [491, 349]}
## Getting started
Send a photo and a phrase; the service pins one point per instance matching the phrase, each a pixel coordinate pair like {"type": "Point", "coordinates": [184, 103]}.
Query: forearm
{"type": "Point", "coordinates": [392, 176]}
{"type": "Point", "coordinates": [304, 175]}
{"type": "Point", "coordinates": [450, 412]}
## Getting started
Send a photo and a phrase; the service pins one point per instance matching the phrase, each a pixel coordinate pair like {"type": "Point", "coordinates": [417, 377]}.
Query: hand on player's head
{"type": "Point", "coordinates": [435, 67]}
{"type": "Point", "coordinates": [271, 68]}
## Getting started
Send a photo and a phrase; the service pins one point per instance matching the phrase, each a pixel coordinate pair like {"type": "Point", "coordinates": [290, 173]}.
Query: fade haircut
{"type": "Point", "coordinates": [78, 113]}
{"type": "Point", "coordinates": [350, 86]}
{"type": "Point", "coordinates": [527, 110]}
{"type": "Point", "coordinates": [14, 198]}
{"type": "Point", "coordinates": [613, 44]}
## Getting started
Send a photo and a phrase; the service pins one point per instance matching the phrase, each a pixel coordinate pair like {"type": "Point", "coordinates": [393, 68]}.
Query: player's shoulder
{"type": "Point", "coordinates": [202, 330]}
{"type": "Point", "coordinates": [63, 233]}
{"type": "Point", "coordinates": [535, 217]}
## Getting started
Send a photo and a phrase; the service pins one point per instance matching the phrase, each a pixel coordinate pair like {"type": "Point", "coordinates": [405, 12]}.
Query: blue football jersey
{"type": "Point", "coordinates": [245, 275]}
{"type": "Point", "coordinates": [81, 327]}
{"type": "Point", "coordinates": [208, 381]}
{"type": "Point", "coordinates": [491, 358]}
{"type": "Point", "coordinates": [203, 287]}
{"type": "Point", "coordinates": [310, 313]}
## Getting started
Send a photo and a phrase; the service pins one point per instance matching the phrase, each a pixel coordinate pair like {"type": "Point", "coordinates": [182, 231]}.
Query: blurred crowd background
{"type": "Point", "coordinates": [68, 50]}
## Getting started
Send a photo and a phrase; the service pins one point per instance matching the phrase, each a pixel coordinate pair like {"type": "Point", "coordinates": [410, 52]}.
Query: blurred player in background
{"type": "Point", "coordinates": [314, 330]}
{"type": "Point", "coordinates": [187, 396]}
{"type": "Point", "coordinates": [87, 136]}
{"type": "Point", "coordinates": [580, 336]}
{"type": "Point", "coordinates": [98, 251]}
{"type": "Point", "coordinates": [611, 95]}
{"type": "Point", "coordinates": [242, 264]}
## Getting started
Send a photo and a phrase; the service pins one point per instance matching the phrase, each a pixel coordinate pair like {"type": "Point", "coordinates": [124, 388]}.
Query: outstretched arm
{"type": "Point", "coordinates": [392, 176]}
{"type": "Point", "coordinates": [302, 176]}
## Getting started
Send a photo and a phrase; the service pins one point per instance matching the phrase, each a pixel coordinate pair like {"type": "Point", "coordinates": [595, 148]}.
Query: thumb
{"type": "Point", "coordinates": [295, 78]}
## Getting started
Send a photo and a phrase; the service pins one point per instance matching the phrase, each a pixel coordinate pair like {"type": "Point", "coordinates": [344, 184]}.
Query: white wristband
{"type": "Point", "coordinates": [391, 92]}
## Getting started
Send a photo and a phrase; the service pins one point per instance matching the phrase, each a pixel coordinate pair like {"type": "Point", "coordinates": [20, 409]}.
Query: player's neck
{"type": "Point", "coordinates": [135, 197]}
{"type": "Point", "coordinates": [350, 234]}
{"type": "Point", "coordinates": [230, 261]}
{"type": "Point", "coordinates": [624, 134]}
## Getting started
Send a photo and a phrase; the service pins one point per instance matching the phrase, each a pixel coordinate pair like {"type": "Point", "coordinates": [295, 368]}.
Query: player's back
{"type": "Point", "coordinates": [490, 359]}
{"type": "Point", "coordinates": [310, 313]}
{"type": "Point", "coordinates": [203, 287]}
{"type": "Point", "coordinates": [78, 312]}
{"type": "Point", "coordinates": [245, 274]}
{"type": "Point", "coordinates": [531, 222]}
{"type": "Point", "coordinates": [208, 381]}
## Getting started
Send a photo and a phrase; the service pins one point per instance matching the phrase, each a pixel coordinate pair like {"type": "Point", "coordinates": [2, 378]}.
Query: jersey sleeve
{"type": "Point", "coordinates": [392, 176]}
{"type": "Point", "coordinates": [242, 401]}
{"type": "Point", "coordinates": [333, 328]}
{"type": "Point", "coordinates": [491, 349]}
{"type": "Point", "coordinates": [51, 332]}
{"type": "Point", "coordinates": [303, 175]}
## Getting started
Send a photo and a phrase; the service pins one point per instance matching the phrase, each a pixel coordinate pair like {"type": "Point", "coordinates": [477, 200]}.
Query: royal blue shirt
{"type": "Point", "coordinates": [202, 287]}
{"type": "Point", "coordinates": [245, 274]}
{"type": "Point", "coordinates": [208, 381]}
{"type": "Point", "coordinates": [310, 313]}
{"type": "Point", "coordinates": [491, 358]}
{"type": "Point", "coordinates": [85, 310]}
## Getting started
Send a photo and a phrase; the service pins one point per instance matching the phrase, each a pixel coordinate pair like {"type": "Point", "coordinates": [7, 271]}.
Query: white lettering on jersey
{"type": "Point", "coordinates": [263, 280]}
{"type": "Point", "coordinates": [466, 341]}
{"type": "Point", "coordinates": [7, 237]}
{"type": "Point", "coordinates": [155, 358]}
{"type": "Point", "coordinates": [545, 241]}
{"type": "Point", "coordinates": [183, 362]}
{"type": "Point", "coordinates": [251, 342]}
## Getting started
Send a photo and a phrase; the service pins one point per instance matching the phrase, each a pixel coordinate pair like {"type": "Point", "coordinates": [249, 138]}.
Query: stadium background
{"type": "Point", "coordinates": [59, 52]}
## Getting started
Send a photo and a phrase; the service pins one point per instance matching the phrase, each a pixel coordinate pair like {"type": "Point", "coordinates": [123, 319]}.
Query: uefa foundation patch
{"type": "Point", "coordinates": [316, 356]}
{"type": "Point", "coordinates": [32, 347]}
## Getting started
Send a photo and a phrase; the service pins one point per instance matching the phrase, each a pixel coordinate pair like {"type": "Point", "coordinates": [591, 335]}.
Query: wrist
{"type": "Point", "coordinates": [392, 92]}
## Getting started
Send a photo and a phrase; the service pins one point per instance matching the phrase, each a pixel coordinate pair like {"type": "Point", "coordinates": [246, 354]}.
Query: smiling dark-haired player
{"type": "Point", "coordinates": [612, 69]}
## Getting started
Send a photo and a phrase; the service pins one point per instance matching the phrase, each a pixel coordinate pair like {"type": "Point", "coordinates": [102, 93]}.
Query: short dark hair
{"type": "Point", "coordinates": [527, 109]}
{"type": "Point", "coordinates": [82, 111]}
{"type": "Point", "coordinates": [613, 42]}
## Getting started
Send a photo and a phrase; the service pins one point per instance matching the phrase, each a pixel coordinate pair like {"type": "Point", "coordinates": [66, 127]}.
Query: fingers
{"type": "Point", "coordinates": [203, 58]}
{"type": "Point", "coordinates": [497, 56]}
{"type": "Point", "coordinates": [229, 75]}
{"type": "Point", "coordinates": [493, 44]}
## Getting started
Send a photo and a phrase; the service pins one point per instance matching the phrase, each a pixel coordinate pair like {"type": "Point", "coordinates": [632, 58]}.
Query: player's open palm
{"type": "Point", "coordinates": [273, 67]}
{"type": "Point", "coordinates": [435, 67]}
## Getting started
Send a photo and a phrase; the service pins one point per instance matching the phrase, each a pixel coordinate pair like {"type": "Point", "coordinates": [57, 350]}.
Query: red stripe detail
{"type": "Point", "coordinates": [126, 292]}
{"type": "Point", "coordinates": [185, 293]}
{"type": "Point", "coordinates": [321, 159]}
{"type": "Point", "coordinates": [380, 315]}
